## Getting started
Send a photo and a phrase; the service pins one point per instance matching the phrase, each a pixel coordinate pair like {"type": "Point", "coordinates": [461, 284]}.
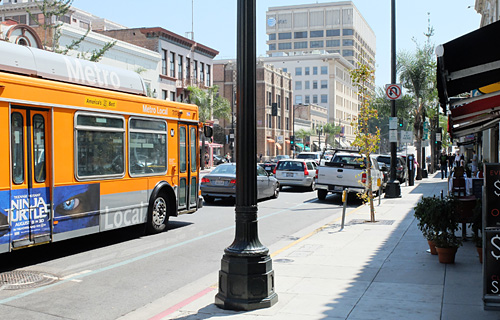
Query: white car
{"type": "Point", "coordinates": [296, 173]}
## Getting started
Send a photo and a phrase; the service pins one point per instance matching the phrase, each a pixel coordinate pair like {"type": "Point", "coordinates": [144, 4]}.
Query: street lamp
{"type": "Point", "coordinates": [319, 131]}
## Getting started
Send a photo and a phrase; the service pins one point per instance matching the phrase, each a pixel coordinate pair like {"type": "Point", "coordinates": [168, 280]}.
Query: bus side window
{"type": "Point", "coordinates": [17, 148]}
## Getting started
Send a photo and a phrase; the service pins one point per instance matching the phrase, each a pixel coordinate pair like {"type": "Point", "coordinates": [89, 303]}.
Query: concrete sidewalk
{"type": "Point", "coordinates": [367, 271]}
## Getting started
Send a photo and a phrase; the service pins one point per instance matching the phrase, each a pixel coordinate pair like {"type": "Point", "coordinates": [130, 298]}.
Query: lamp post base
{"type": "Point", "coordinates": [246, 283]}
{"type": "Point", "coordinates": [393, 189]}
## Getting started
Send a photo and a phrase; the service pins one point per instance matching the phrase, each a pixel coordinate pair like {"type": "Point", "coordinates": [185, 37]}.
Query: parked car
{"type": "Point", "coordinates": [310, 155]}
{"type": "Point", "coordinates": [218, 160]}
{"type": "Point", "coordinates": [268, 166]}
{"type": "Point", "coordinates": [297, 173]}
{"type": "Point", "coordinates": [221, 183]}
{"type": "Point", "coordinates": [401, 168]}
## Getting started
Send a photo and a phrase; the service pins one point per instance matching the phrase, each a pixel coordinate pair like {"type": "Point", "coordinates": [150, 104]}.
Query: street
{"type": "Point", "coordinates": [108, 275]}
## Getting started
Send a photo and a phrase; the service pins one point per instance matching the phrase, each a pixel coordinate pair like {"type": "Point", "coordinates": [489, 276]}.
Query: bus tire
{"type": "Point", "coordinates": [158, 214]}
{"type": "Point", "coordinates": [322, 194]}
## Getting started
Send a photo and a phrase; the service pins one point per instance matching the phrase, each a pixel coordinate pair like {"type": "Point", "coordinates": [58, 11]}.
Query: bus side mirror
{"type": "Point", "coordinates": [208, 131]}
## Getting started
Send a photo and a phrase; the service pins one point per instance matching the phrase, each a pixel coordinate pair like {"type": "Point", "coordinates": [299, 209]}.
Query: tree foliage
{"type": "Point", "coordinates": [365, 139]}
{"type": "Point", "coordinates": [210, 104]}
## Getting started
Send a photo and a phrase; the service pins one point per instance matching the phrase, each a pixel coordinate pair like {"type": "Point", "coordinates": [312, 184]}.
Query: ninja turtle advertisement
{"type": "Point", "coordinates": [29, 213]}
{"type": "Point", "coordinates": [76, 207]}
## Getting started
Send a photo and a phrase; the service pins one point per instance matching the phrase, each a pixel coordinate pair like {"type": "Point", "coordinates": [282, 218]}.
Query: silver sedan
{"type": "Point", "coordinates": [221, 183]}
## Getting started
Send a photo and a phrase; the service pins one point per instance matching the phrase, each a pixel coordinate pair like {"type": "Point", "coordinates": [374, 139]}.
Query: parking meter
{"type": "Point", "coordinates": [411, 169]}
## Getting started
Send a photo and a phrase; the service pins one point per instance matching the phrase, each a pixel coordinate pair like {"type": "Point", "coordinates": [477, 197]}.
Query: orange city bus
{"type": "Point", "coordinates": [84, 150]}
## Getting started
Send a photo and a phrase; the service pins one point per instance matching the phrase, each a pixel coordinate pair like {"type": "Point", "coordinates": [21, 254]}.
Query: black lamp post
{"type": "Point", "coordinates": [246, 278]}
{"type": "Point", "coordinates": [319, 131]}
{"type": "Point", "coordinates": [393, 189]}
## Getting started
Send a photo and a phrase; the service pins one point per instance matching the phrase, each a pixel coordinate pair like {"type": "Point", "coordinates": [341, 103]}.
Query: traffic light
{"type": "Point", "coordinates": [292, 139]}
{"type": "Point", "coordinates": [400, 123]}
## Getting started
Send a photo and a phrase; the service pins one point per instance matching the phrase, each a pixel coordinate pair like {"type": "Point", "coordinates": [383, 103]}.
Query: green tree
{"type": "Point", "coordinates": [211, 105]}
{"type": "Point", "coordinates": [365, 139]}
{"type": "Point", "coordinates": [303, 135]}
{"type": "Point", "coordinates": [331, 131]}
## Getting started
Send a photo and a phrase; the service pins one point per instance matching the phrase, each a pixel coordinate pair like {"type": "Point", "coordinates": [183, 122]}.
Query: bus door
{"type": "Point", "coordinates": [30, 177]}
{"type": "Point", "coordinates": [188, 169]}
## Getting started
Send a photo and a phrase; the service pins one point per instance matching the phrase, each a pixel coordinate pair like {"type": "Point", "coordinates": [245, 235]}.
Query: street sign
{"type": "Point", "coordinates": [406, 136]}
{"type": "Point", "coordinates": [393, 123]}
{"type": "Point", "coordinates": [438, 136]}
{"type": "Point", "coordinates": [393, 91]}
{"type": "Point", "coordinates": [393, 135]}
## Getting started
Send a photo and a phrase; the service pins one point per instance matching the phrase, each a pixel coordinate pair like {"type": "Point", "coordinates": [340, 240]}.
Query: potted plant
{"type": "Point", "coordinates": [424, 211]}
{"type": "Point", "coordinates": [477, 228]}
{"type": "Point", "coordinates": [445, 225]}
{"type": "Point", "coordinates": [438, 222]}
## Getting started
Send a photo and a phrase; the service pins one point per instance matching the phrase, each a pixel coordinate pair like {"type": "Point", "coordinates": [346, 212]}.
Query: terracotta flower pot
{"type": "Point", "coordinates": [432, 246]}
{"type": "Point", "coordinates": [480, 253]}
{"type": "Point", "coordinates": [446, 255]}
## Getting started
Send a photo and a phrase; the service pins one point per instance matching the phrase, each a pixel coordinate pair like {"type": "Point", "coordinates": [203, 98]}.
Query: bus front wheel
{"type": "Point", "coordinates": [158, 215]}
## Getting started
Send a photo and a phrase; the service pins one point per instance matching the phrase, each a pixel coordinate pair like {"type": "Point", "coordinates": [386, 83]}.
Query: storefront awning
{"type": "Point", "coordinates": [270, 140]}
{"type": "Point", "coordinates": [278, 146]}
{"type": "Point", "coordinates": [474, 115]}
{"type": "Point", "coordinates": [468, 62]}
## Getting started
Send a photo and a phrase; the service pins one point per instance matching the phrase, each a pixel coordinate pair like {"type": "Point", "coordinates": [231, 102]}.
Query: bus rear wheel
{"type": "Point", "coordinates": [158, 215]}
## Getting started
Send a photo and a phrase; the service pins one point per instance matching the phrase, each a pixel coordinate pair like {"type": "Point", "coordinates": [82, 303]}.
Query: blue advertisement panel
{"type": "Point", "coordinates": [4, 217]}
{"type": "Point", "coordinates": [76, 207]}
{"type": "Point", "coordinates": [29, 213]}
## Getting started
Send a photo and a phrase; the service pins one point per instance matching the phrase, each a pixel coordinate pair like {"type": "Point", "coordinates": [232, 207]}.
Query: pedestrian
{"type": "Point", "coordinates": [457, 160]}
{"type": "Point", "coordinates": [450, 161]}
{"type": "Point", "coordinates": [260, 157]}
{"type": "Point", "coordinates": [474, 163]}
{"type": "Point", "coordinates": [206, 159]}
{"type": "Point", "coordinates": [228, 157]}
{"type": "Point", "coordinates": [444, 165]}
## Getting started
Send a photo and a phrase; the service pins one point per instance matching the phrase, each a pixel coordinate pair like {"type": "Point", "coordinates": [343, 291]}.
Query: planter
{"type": "Point", "coordinates": [480, 253]}
{"type": "Point", "coordinates": [446, 255]}
{"type": "Point", "coordinates": [432, 246]}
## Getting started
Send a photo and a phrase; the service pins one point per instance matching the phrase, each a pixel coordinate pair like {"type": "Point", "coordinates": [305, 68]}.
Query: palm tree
{"type": "Point", "coordinates": [331, 131]}
{"type": "Point", "coordinates": [303, 134]}
{"type": "Point", "coordinates": [416, 73]}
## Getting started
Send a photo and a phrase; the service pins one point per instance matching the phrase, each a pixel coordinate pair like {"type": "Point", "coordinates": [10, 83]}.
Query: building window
{"type": "Point", "coordinates": [164, 94]}
{"type": "Point", "coordinates": [287, 123]}
{"type": "Point", "coordinates": [272, 47]}
{"type": "Point", "coordinates": [333, 33]}
{"type": "Point", "coordinates": [278, 101]}
{"type": "Point", "coordinates": [285, 46]}
{"type": "Point", "coordinates": [333, 43]}
{"type": "Point", "coordinates": [315, 84]}
{"type": "Point", "coordinates": [316, 34]}
{"type": "Point", "coordinates": [324, 98]}
{"type": "Point", "coordinates": [188, 68]}
{"type": "Point", "coordinates": [285, 69]}
{"type": "Point", "coordinates": [172, 96]}
{"type": "Point", "coordinates": [172, 64]}
{"type": "Point", "coordinates": [307, 85]}
{"type": "Point", "coordinates": [195, 70]}
{"type": "Point", "coordinates": [287, 103]}
{"type": "Point", "coordinates": [347, 53]}
{"type": "Point", "coordinates": [317, 44]}
{"type": "Point", "coordinates": [164, 58]}
{"type": "Point", "coordinates": [324, 70]}
{"type": "Point", "coordinates": [324, 84]}
{"type": "Point", "coordinates": [298, 85]}
{"type": "Point", "coordinates": [298, 71]}
{"type": "Point", "coordinates": [347, 42]}
{"type": "Point", "coordinates": [298, 99]}
{"type": "Point", "coordinates": [307, 71]}
{"type": "Point", "coordinates": [300, 35]}
{"type": "Point", "coordinates": [180, 68]}
{"type": "Point", "coordinates": [279, 122]}
{"type": "Point", "coordinates": [284, 35]}
{"type": "Point", "coordinates": [269, 98]}
{"type": "Point", "coordinates": [269, 120]}
{"type": "Point", "coordinates": [315, 98]}
{"type": "Point", "coordinates": [347, 32]}
{"type": "Point", "coordinates": [202, 73]}
{"type": "Point", "coordinates": [315, 70]}
{"type": "Point", "coordinates": [307, 99]}
{"type": "Point", "coordinates": [300, 45]}
{"type": "Point", "coordinates": [272, 36]}
{"type": "Point", "coordinates": [208, 75]}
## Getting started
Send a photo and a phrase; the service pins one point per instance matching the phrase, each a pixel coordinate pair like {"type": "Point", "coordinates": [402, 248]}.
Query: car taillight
{"type": "Point", "coordinates": [274, 170]}
{"type": "Point", "coordinates": [306, 173]}
{"type": "Point", "coordinates": [233, 181]}
{"type": "Point", "coordinates": [316, 176]}
{"type": "Point", "coordinates": [363, 177]}
{"type": "Point", "coordinates": [205, 180]}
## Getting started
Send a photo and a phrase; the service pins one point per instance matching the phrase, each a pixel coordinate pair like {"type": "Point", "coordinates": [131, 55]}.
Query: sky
{"type": "Point", "coordinates": [215, 22]}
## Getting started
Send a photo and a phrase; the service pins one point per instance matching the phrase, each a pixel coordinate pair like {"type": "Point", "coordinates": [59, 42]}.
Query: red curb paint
{"type": "Point", "coordinates": [181, 304]}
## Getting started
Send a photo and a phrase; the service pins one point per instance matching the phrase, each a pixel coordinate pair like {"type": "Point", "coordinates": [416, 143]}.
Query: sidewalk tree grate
{"type": "Point", "coordinates": [378, 222]}
{"type": "Point", "coordinates": [23, 279]}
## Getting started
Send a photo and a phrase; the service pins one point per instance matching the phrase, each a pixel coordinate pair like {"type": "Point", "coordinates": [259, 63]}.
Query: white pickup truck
{"type": "Point", "coordinates": [346, 170]}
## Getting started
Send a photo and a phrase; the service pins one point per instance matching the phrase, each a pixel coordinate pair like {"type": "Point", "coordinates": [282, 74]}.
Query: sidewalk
{"type": "Point", "coordinates": [367, 271]}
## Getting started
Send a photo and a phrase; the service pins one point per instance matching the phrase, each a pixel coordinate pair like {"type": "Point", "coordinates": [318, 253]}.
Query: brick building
{"type": "Point", "coordinates": [273, 86]}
